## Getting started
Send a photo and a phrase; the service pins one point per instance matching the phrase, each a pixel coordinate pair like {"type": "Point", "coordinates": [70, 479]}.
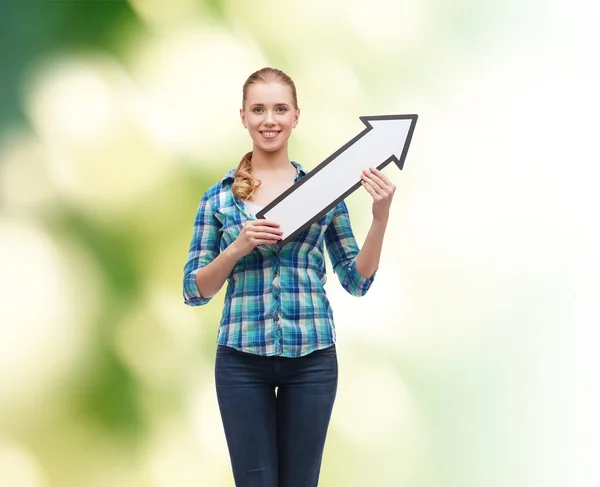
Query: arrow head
{"type": "Point", "coordinates": [392, 133]}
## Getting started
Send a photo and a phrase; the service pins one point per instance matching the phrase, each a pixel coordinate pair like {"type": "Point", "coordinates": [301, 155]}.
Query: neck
{"type": "Point", "coordinates": [270, 161]}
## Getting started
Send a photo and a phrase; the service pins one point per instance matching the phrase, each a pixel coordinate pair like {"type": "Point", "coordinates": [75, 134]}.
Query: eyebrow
{"type": "Point", "coordinates": [276, 104]}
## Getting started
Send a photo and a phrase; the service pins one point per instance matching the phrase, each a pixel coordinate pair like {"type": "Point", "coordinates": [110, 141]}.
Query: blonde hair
{"type": "Point", "coordinates": [244, 183]}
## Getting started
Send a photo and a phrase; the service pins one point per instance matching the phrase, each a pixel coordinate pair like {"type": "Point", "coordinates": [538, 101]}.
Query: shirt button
{"type": "Point", "coordinates": [277, 318]}
{"type": "Point", "coordinates": [276, 296]}
{"type": "Point", "coordinates": [275, 273]}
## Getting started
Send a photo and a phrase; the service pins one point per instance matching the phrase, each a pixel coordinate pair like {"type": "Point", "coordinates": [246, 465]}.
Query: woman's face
{"type": "Point", "coordinates": [269, 115]}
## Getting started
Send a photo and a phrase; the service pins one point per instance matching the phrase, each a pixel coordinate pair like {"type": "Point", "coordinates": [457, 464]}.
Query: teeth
{"type": "Point", "coordinates": [269, 134]}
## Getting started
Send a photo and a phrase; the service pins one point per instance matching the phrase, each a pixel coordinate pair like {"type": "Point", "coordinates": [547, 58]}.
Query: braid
{"type": "Point", "coordinates": [244, 184]}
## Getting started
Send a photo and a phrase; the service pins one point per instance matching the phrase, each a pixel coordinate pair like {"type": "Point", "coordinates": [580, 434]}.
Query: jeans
{"type": "Point", "coordinates": [275, 413]}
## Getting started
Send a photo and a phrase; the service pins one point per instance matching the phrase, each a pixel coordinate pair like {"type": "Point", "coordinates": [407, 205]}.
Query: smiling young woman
{"type": "Point", "coordinates": [276, 363]}
{"type": "Point", "coordinates": [270, 112]}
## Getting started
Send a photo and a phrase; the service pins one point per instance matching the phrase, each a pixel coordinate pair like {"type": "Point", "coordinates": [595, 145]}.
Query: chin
{"type": "Point", "coordinates": [269, 147]}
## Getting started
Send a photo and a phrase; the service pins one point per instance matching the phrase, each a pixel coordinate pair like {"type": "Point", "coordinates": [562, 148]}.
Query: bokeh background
{"type": "Point", "coordinates": [456, 370]}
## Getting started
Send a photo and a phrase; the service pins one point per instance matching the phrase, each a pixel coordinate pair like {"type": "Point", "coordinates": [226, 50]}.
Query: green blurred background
{"type": "Point", "coordinates": [116, 116]}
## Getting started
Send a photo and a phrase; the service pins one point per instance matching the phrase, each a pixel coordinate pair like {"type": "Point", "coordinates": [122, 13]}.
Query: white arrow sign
{"type": "Point", "coordinates": [386, 139]}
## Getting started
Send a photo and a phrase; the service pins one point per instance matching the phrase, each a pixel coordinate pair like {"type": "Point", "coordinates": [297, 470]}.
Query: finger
{"type": "Point", "coordinates": [266, 230]}
{"type": "Point", "coordinates": [373, 185]}
{"type": "Point", "coordinates": [269, 223]}
{"type": "Point", "coordinates": [382, 184]}
{"type": "Point", "coordinates": [369, 188]}
{"type": "Point", "coordinates": [262, 224]}
{"type": "Point", "coordinates": [266, 236]}
{"type": "Point", "coordinates": [377, 181]}
{"type": "Point", "coordinates": [381, 176]}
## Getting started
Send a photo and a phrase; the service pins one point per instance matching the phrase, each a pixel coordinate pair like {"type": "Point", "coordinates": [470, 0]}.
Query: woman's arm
{"type": "Point", "coordinates": [211, 277]}
{"type": "Point", "coordinates": [207, 268]}
{"type": "Point", "coordinates": [343, 250]}
{"type": "Point", "coordinates": [367, 260]}
{"type": "Point", "coordinates": [382, 190]}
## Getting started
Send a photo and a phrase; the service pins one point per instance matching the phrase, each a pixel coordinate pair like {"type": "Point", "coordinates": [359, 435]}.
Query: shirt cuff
{"type": "Point", "coordinates": [191, 294]}
{"type": "Point", "coordinates": [359, 284]}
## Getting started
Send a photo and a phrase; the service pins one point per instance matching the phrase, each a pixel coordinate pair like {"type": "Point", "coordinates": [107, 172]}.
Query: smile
{"type": "Point", "coordinates": [269, 134]}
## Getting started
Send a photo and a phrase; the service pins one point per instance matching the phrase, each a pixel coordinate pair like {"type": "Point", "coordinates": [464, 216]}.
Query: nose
{"type": "Point", "coordinates": [269, 118]}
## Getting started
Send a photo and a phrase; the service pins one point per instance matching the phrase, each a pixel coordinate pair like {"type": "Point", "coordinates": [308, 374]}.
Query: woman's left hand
{"type": "Point", "coordinates": [381, 189]}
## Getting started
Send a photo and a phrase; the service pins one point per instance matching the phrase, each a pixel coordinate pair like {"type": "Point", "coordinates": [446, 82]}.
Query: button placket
{"type": "Point", "coordinates": [277, 330]}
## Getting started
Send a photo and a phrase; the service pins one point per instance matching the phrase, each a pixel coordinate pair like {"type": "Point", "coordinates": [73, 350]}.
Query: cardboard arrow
{"type": "Point", "coordinates": [385, 139]}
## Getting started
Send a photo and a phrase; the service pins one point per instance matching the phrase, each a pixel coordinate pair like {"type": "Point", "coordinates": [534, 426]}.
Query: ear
{"type": "Point", "coordinates": [296, 117]}
{"type": "Point", "coordinates": [242, 116]}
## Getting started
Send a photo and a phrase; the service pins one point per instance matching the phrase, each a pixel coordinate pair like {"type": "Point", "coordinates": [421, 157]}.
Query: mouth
{"type": "Point", "coordinates": [269, 134]}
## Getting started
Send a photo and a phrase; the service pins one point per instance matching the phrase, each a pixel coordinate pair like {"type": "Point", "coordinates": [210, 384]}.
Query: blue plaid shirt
{"type": "Point", "coordinates": [275, 302]}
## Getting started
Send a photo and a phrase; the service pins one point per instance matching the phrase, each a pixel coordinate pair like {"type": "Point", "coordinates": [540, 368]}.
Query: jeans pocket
{"type": "Point", "coordinates": [223, 350]}
{"type": "Point", "coordinates": [327, 351]}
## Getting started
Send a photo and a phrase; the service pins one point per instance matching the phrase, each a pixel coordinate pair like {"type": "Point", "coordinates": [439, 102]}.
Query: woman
{"type": "Point", "coordinates": [276, 364]}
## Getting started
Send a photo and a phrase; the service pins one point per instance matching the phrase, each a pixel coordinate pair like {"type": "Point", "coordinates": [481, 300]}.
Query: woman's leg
{"type": "Point", "coordinates": [304, 403]}
{"type": "Point", "coordinates": [246, 397]}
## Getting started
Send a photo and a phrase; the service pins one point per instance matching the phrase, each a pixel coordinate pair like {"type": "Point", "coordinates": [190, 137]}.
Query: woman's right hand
{"type": "Point", "coordinates": [256, 232]}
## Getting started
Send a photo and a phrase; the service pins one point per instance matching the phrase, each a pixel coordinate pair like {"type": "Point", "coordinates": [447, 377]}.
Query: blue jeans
{"type": "Point", "coordinates": [275, 413]}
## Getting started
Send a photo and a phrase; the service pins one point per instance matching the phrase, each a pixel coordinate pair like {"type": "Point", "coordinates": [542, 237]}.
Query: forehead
{"type": "Point", "coordinates": [269, 93]}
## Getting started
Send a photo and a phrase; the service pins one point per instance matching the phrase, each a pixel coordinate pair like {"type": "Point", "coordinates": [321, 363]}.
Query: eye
{"type": "Point", "coordinates": [282, 109]}
{"type": "Point", "coordinates": [257, 109]}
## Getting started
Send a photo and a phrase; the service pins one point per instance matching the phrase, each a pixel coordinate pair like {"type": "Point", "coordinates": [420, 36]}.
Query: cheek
{"type": "Point", "coordinates": [252, 119]}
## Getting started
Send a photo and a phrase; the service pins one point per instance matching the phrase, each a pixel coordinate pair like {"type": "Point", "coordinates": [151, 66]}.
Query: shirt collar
{"type": "Point", "coordinates": [299, 172]}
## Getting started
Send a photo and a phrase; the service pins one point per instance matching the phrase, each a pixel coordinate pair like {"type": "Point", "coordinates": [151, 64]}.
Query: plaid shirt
{"type": "Point", "coordinates": [275, 302]}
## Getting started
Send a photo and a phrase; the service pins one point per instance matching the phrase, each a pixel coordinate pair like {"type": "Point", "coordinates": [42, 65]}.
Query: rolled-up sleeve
{"type": "Point", "coordinates": [204, 248]}
{"type": "Point", "coordinates": [343, 249]}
